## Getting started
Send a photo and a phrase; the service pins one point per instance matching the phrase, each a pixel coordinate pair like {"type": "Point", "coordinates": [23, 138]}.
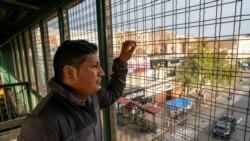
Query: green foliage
{"type": "Point", "coordinates": [204, 64]}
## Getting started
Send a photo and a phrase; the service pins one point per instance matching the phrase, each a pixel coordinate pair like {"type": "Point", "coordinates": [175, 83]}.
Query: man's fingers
{"type": "Point", "coordinates": [132, 48]}
{"type": "Point", "coordinates": [128, 45]}
{"type": "Point", "coordinates": [128, 48]}
{"type": "Point", "coordinates": [132, 43]}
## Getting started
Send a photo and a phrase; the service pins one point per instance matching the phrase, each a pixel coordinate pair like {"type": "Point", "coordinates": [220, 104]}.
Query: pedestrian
{"type": "Point", "coordinates": [71, 110]}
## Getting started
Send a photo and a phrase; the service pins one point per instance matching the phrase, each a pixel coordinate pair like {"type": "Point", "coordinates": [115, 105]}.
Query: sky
{"type": "Point", "coordinates": [220, 17]}
{"type": "Point", "coordinates": [182, 17]}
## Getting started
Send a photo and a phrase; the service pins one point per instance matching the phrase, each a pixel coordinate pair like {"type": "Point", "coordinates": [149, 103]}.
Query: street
{"type": "Point", "coordinates": [199, 126]}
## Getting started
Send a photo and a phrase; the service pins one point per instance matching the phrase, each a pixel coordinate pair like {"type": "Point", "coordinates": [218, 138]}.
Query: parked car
{"type": "Point", "coordinates": [224, 127]}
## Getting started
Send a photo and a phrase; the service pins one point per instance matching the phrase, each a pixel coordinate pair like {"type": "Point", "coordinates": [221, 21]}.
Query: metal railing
{"type": "Point", "coordinates": [15, 101]}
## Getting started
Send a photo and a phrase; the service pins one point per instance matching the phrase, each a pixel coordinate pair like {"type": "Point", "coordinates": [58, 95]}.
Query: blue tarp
{"type": "Point", "coordinates": [178, 103]}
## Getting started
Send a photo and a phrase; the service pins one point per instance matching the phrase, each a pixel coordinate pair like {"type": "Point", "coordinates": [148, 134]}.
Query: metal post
{"type": "Point", "coordinates": [33, 59]}
{"type": "Point", "coordinates": [15, 59]}
{"type": "Point", "coordinates": [61, 25]}
{"type": "Point", "coordinates": [29, 97]}
{"type": "Point", "coordinates": [6, 105]}
{"type": "Point", "coordinates": [103, 56]}
{"type": "Point", "coordinates": [20, 56]}
{"type": "Point", "coordinates": [44, 54]}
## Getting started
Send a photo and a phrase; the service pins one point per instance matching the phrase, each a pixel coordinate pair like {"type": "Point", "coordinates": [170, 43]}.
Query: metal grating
{"type": "Point", "coordinates": [52, 41]}
{"type": "Point", "coordinates": [82, 21]}
{"type": "Point", "coordinates": [38, 53]}
{"type": "Point", "coordinates": [190, 68]}
{"type": "Point", "coordinates": [24, 65]}
{"type": "Point", "coordinates": [30, 60]}
{"type": "Point", "coordinates": [16, 49]}
{"type": "Point", "coordinates": [13, 59]}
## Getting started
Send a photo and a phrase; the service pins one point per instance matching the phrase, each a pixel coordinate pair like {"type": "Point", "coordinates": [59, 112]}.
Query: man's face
{"type": "Point", "coordinates": [89, 75]}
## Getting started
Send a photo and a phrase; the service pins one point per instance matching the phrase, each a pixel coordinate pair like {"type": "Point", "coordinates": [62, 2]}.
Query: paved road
{"type": "Point", "coordinates": [200, 124]}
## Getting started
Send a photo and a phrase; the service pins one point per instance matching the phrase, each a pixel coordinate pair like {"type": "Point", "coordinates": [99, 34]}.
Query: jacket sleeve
{"type": "Point", "coordinates": [116, 84]}
{"type": "Point", "coordinates": [36, 128]}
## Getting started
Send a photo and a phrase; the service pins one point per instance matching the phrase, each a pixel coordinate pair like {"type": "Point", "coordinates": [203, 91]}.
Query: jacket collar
{"type": "Point", "coordinates": [61, 90]}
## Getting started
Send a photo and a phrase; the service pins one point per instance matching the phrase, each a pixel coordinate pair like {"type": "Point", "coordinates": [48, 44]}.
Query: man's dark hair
{"type": "Point", "coordinates": [71, 52]}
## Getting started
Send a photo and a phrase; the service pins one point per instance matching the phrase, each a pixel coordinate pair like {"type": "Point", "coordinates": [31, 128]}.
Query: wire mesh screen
{"type": "Point", "coordinates": [16, 49]}
{"type": "Point", "coordinates": [13, 58]}
{"type": "Point", "coordinates": [82, 21]}
{"type": "Point", "coordinates": [38, 53]}
{"type": "Point", "coordinates": [23, 58]}
{"type": "Point", "coordinates": [189, 76]}
{"type": "Point", "coordinates": [52, 42]}
{"type": "Point", "coordinates": [30, 60]}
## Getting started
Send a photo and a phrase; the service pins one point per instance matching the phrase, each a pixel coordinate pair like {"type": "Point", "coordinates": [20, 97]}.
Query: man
{"type": "Point", "coordinates": [71, 111]}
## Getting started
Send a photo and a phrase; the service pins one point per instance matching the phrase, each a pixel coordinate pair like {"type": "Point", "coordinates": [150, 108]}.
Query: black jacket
{"type": "Point", "coordinates": [59, 117]}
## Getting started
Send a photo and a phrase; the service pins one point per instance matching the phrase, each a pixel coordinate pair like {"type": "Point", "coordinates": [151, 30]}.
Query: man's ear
{"type": "Point", "coordinates": [70, 72]}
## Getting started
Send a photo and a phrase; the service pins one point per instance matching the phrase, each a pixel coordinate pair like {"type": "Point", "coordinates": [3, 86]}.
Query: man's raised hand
{"type": "Point", "coordinates": [128, 48]}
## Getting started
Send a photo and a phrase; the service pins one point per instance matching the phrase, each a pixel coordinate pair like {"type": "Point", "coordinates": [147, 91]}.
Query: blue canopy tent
{"type": "Point", "coordinates": [178, 103]}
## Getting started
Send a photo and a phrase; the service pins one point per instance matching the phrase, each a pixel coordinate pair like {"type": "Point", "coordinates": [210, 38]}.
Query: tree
{"type": "Point", "coordinates": [203, 65]}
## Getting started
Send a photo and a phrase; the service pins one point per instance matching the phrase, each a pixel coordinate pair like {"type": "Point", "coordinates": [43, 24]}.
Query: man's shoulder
{"type": "Point", "coordinates": [47, 106]}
